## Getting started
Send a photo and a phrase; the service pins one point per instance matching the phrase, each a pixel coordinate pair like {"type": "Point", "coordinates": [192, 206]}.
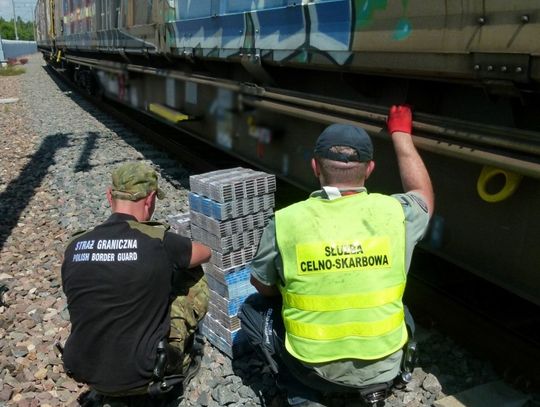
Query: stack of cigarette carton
{"type": "Point", "coordinates": [180, 224]}
{"type": "Point", "coordinates": [228, 211]}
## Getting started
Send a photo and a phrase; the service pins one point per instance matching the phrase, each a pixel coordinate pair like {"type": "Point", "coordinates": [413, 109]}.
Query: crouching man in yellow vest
{"type": "Point", "coordinates": [331, 270]}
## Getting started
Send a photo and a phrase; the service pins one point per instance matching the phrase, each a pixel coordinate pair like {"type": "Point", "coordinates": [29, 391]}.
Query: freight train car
{"type": "Point", "coordinates": [260, 79]}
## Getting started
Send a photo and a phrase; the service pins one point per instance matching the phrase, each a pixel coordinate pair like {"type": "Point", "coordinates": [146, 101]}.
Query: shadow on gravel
{"type": "Point", "coordinates": [161, 156]}
{"type": "Point", "coordinates": [255, 375]}
{"type": "Point", "coordinates": [20, 191]}
{"type": "Point", "coordinates": [89, 146]}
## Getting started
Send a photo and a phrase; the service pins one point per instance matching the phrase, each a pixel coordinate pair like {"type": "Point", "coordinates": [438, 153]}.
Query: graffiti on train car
{"type": "Point", "coordinates": [282, 33]}
{"type": "Point", "coordinates": [277, 30]}
{"type": "Point", "coordinates": [320, 33]}
{"type": "Point", "coordinates": [366, 10]}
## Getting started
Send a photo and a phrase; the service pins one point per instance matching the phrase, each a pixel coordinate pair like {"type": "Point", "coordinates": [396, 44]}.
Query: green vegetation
{"type": "Point", "coordinates": [25, 29]}
{"type": "Point", "coordinates": [11, 71]}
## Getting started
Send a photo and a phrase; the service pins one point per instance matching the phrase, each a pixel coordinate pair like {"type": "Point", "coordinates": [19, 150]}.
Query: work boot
{"type": "Point", "coordinates": [300, 395]}
{"type": "Point", "coordinates": [3, 289]}
{"type": "Point", "coordinates": [90, 398]}
{"type": "Point", "coordinates": [197, 352]}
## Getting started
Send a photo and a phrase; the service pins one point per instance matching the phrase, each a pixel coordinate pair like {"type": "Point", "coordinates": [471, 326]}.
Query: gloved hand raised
{"type": "Point", "coordinates": [399, 119]}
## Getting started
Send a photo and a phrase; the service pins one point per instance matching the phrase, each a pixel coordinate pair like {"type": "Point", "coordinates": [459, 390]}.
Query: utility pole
{"type": "Point", "coordinates": [15, 20]}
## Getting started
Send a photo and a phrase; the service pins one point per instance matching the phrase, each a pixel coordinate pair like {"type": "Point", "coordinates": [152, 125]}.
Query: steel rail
{"type": "Point", "coordinates": [523, 167]}
{"type": "Point", "coordinates": [491, 136]}
{"type": "Point", "coordinates": [331, 112]}
{"type": "Point", "coordinates": [118, 67]}
{"type": "Point", "coordinates": [494, 138]}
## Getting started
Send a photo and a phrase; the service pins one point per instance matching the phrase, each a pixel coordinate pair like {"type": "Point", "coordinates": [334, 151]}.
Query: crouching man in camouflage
{"type": "Point", "coordinates": [135, 294]}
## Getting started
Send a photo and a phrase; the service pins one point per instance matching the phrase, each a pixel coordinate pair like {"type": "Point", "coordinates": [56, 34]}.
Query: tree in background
{"type": "Point", "coordinates": [25, 29]}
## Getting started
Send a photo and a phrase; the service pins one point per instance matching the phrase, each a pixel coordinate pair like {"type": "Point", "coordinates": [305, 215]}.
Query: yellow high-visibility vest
{"type": "Point", "coordinates": [344, 269]}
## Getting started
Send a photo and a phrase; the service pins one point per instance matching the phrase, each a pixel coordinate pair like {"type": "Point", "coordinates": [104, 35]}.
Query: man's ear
{"type": "Point", "coordinates": [149, 200]}
{"type": "Point", "coordinates": [370, 167]}
{"type": "Point", "coordinates": [149, 206]}
{"type": "Point", "coordinates": [315, 168]}
{"type": "Point", "coordinates": [109, 196]}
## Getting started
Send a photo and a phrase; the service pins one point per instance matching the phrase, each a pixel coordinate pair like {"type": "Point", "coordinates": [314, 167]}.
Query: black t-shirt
{"type": "Point", "coordinates": [117, 279]}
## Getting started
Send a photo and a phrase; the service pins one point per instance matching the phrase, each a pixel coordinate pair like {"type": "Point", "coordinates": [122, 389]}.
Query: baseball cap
{"type": "Point", "coordinates": [134, 181]}
{"type": "Point", "coordinates": [344, 135]}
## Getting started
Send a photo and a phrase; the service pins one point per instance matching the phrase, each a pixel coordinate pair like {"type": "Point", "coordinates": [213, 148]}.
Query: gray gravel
{"type": "Point", "coordinates": [57, 154]}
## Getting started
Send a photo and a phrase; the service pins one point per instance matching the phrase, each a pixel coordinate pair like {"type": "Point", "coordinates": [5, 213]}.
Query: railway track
{"type": "Point", "coordinates": [194, 153]}
{"type": "Point", "coordinates": [488, 320]}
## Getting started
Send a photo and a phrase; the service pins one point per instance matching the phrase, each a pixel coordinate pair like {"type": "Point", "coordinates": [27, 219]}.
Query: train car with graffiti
{"type": "Point", "coordinates": [260, 79]}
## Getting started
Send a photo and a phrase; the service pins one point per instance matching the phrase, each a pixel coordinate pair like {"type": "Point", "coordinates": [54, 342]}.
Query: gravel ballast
{"type": "Point", "coordinates": [57, 152]}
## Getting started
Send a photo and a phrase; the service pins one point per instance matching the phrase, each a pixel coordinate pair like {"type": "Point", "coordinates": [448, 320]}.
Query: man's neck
{"type": "Point", "coordinates": [333, 192]}
{"type": "Point", "coordinates": [136, 214]}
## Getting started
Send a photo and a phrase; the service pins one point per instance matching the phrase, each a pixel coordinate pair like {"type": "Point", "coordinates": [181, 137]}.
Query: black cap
{"type": "Point", "coordinates": [344, 135]}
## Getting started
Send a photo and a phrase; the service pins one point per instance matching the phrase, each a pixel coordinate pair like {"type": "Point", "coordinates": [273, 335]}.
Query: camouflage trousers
{"type": "Point", "coordinates": [186, 313]}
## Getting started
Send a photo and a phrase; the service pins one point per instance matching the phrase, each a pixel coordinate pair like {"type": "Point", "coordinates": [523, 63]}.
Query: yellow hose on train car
{"type": "Point", "coordinates": [512, 181]}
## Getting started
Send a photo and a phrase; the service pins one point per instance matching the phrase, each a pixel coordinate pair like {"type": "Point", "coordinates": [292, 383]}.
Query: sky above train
{"type": "Point", "coordinates": [23, 9]}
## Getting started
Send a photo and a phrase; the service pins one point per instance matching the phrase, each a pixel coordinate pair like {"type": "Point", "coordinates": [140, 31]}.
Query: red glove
{"type": "Point", "coordinates": [400, 119]}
